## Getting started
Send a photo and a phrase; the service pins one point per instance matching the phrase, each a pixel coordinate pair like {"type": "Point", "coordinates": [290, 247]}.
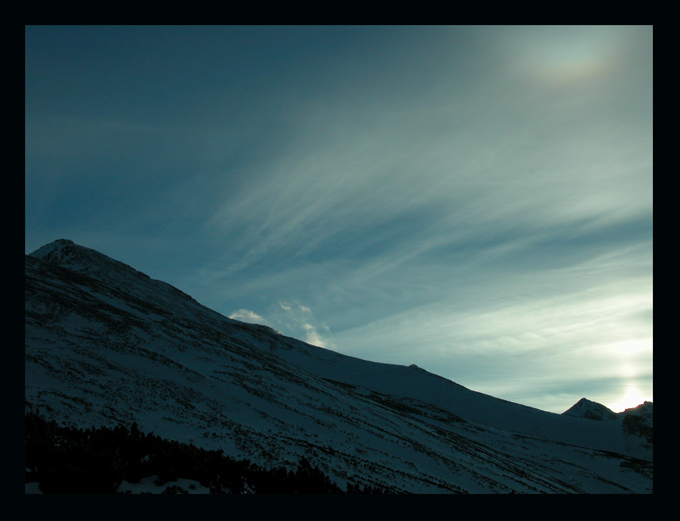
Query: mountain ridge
{"type": "Point", "coordinates": [104, 345]}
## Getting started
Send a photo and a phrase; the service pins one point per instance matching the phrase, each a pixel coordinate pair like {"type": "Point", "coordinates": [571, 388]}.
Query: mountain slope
{"type": "Point", "coordinates": [105, 343]}
{"type": "Point", "coordinates": [585, 408]}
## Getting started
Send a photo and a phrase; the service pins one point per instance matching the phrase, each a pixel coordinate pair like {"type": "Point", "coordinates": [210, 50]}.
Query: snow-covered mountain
{"type": "Point", "coordinates": [585, 408]}
{"type": "Point", "coordinates": [106, 344]}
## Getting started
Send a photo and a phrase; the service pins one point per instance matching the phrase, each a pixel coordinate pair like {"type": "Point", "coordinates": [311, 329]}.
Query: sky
{"type": "Point", "coordinates": [475, 200]}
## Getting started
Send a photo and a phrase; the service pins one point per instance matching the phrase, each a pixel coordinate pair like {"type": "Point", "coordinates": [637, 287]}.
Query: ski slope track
{"type": "Point", "coordinates": [106, 344]}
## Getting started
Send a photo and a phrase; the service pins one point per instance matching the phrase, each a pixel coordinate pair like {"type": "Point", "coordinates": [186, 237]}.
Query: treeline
{"type": "Point", "coordinates": [96, 460]}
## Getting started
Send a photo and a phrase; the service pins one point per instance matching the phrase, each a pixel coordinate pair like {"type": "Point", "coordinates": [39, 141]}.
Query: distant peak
{"type": "Point", "coordinates": [585, 408]}
{"type": "Point", "coordinates": [642, 409]}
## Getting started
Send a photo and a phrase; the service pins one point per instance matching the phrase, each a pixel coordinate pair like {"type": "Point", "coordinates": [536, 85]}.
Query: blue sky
{"type": "Point", "coordinates": [473, 200]}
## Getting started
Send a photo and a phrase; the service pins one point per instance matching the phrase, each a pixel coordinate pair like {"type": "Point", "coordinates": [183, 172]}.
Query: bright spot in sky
{"type": "Point", "coordinates": [632, 398]}
{"type": "Point", "coordinates": [570, 56]}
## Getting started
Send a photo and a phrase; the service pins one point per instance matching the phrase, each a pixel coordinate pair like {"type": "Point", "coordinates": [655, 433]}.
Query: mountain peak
{"type": "Point", "coordinates": [48, 249]}
{"type": "Point", "coordinates": [590, 410]}
{"type": "Point", "coordinates": [67, 254]}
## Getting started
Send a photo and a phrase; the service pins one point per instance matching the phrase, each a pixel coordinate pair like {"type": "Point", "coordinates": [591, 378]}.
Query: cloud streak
{"type": "Point", "coordinates": [471, 181]}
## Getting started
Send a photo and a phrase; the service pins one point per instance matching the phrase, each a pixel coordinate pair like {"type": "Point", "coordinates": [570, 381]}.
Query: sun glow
{"type": "Point", "coordinates": [566, 55]}
{"type": "Point", "coordinates": [632, 398]}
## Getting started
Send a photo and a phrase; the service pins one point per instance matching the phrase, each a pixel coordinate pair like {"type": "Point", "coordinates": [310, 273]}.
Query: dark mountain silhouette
{"type": "Point", "coordinates": [106, 345]}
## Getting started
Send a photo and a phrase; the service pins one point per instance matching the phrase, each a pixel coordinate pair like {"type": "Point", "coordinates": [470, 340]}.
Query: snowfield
{"type": "Point", "coordinates": [106, 344]}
